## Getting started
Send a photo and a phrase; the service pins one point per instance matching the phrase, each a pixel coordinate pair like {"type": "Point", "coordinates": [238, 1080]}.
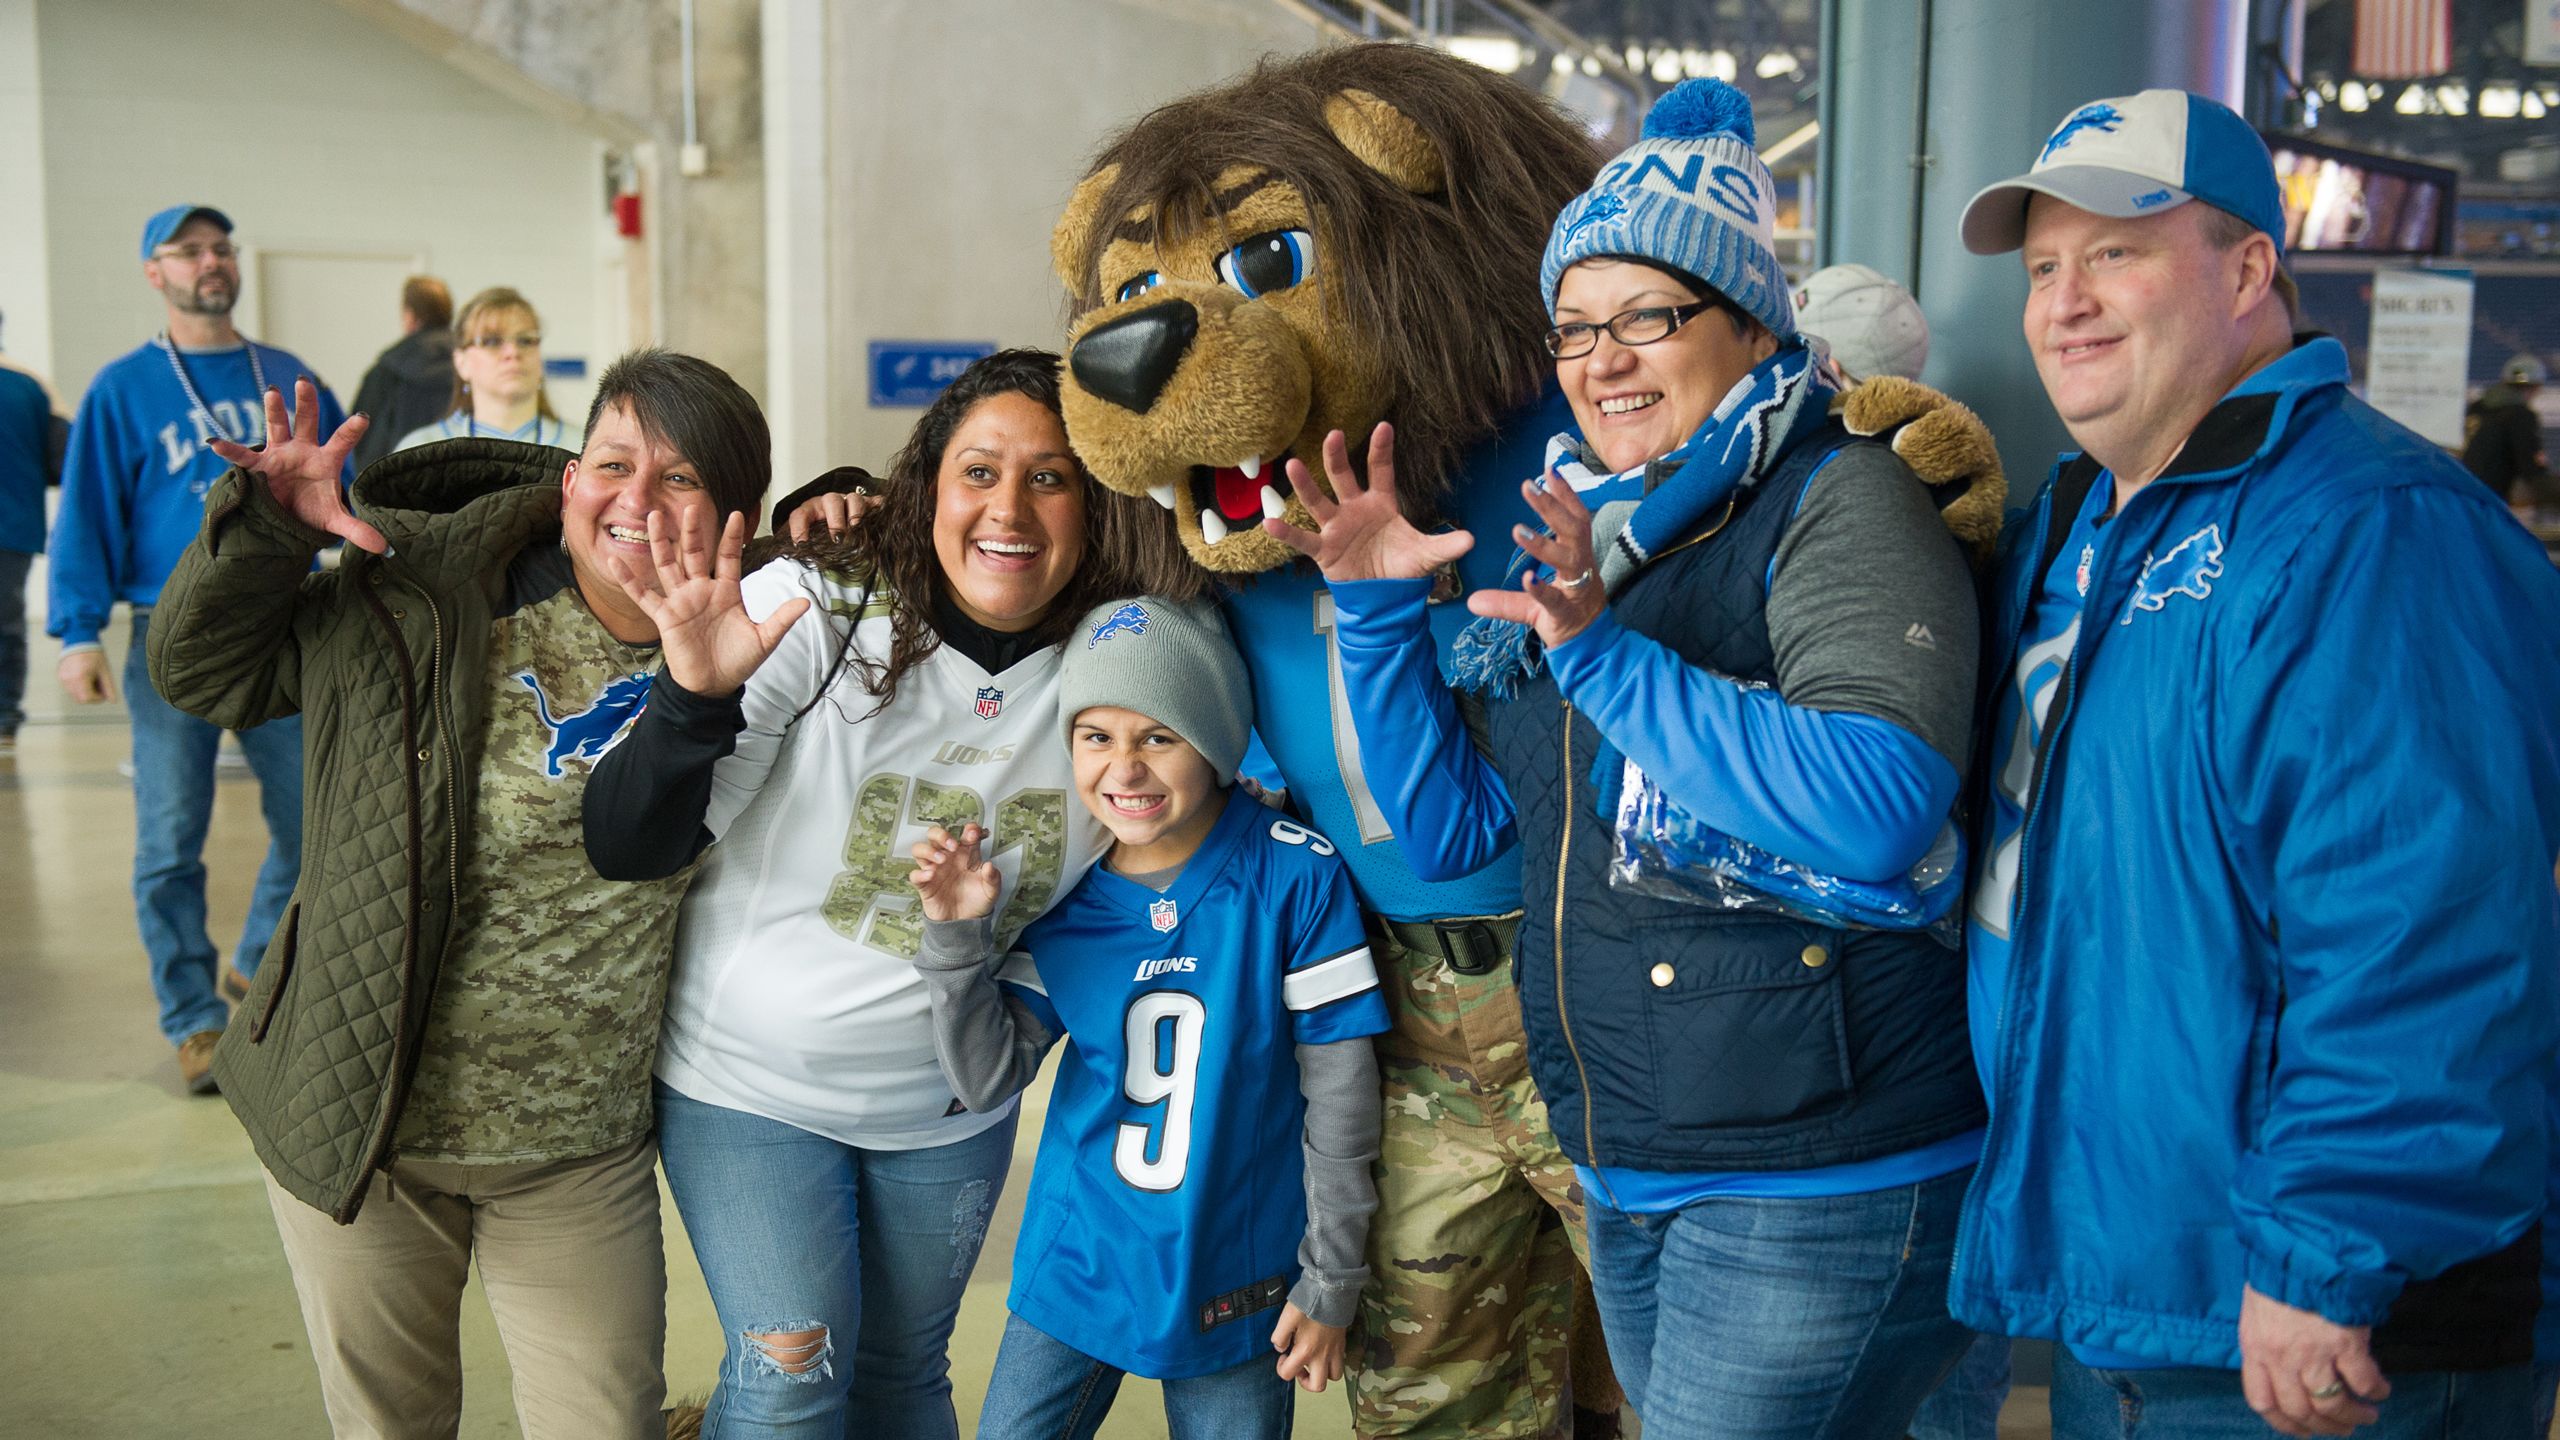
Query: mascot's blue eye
{"type": "Point", "coordinates": [1141, 285]}
{"type": "Point", "coordinates": [1273, 260]}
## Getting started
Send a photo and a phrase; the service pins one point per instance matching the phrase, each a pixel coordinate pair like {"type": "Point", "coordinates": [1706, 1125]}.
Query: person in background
{"type": "Point", "coordinates": [32, 439]}
{"type": "Point", "coordinates": [2503, 436]}
{"type": "Point", "coordinates": [1214, 979]}
{"type": "Point", "coordinates": [410, 383]}
{"type": "Point", "coordinates": [497, 377]}
{"type": "Point", "coordinates": [2264, 946]}
{"type": "Point", "coordinates": [133, 495]}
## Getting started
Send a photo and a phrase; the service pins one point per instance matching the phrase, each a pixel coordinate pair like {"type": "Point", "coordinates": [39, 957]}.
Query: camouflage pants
{"type": "Point", "coordinates": [1476, 1253]}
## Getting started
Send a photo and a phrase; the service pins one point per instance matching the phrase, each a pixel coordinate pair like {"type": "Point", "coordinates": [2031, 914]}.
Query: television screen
{"type": "Point", "coordinates": [2337, 199]}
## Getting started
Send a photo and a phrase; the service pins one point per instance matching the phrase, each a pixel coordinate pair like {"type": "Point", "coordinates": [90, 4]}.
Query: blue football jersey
{"type": "Point", "coordinates": [1161, 1234]}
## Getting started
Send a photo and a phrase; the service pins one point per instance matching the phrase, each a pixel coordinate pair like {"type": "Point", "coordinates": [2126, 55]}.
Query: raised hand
{"type": "Point", "coordinates": [1557, 609]}
{"type": "Point", "coordinates": [301, 472]}
{"type": "Point", "coordinates": [952, 881]}
{"type": "Point", "coordinates": [690, 592]}
{"type": "Point", "coordinates": [1360, 533]}
{"type": "Point", "coordinates": [834, 513]}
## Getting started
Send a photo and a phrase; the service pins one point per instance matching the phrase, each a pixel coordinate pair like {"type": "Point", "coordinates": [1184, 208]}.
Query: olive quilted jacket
{"type": "Point", "coordinates": [383, 659]}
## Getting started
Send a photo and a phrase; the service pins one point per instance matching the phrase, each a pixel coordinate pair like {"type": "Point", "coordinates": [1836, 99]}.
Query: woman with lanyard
{"type": "Point", "coordinates": [497, 376]}
{"type": "Point", "coordinates": [835, 1189]}
{"type": "Point", "coordinates": [1773, 1113]}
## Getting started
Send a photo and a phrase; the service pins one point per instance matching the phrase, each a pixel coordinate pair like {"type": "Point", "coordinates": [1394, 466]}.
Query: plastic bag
{"type": "Point", "coordinates": [1666, 852]}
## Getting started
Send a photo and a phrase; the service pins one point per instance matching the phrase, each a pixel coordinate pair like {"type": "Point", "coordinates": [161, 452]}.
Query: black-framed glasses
{"type": "Point", "coordinates": [197, 254]}
{"type": "Point", "coordinates": [1641, 326]}
{"type": "Point", "coordinates": [527, 341]}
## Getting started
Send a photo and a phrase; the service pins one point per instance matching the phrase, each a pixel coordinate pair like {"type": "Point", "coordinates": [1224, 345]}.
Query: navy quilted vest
{"type": "Point", "coordinates": [1668, 1036]}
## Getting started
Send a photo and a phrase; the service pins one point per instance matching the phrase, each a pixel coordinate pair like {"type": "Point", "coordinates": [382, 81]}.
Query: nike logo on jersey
{"type": "Point", "coordinates": [2189, 569]}
{"type": "Point", "coordinates": [1170, 965]}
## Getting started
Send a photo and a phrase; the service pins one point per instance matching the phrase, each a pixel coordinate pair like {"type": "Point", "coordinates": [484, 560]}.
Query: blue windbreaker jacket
{"type": "Point", "coordinates": [2281, 1005]}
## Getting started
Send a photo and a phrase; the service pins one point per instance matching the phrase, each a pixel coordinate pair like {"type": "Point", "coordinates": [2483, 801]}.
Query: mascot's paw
{"type": "Point", "coordinates": [1945, 444]}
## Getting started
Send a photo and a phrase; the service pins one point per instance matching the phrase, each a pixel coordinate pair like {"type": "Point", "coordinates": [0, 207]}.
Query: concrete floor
{"type": "Point", "coordinates": [142, 1292]}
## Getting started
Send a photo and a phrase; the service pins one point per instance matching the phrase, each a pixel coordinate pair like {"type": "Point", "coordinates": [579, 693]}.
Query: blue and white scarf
{"type": "Point", "coordinates": [1759, 420]}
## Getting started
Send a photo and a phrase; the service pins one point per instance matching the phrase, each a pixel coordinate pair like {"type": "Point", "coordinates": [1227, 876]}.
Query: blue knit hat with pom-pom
{"type": "Point", "coordinates": [1692, 194]}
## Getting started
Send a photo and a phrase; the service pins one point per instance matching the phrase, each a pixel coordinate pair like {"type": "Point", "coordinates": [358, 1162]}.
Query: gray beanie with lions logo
{"type": "Point", "coordinates": [1169, 661]}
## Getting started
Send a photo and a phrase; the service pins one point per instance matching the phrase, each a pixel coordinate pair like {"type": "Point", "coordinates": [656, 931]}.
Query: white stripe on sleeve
{"type": "Point", "coordinates": [1326, 981]}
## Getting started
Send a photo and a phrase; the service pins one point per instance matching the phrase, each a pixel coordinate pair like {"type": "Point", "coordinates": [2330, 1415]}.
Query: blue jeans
{"type": "Point", "coordinates": [1966, 1405]}
{"type": "Point", "coordinates": [172, 810]}
{"type": "Point", "coordinates": [1782, 1319]}
{"type": "Point", "coordinates": [804, 1239]}
{"type": "Point", "coordinates": [14, 565]}
{"type": "Point", "coordinates": [2546, 1397]}
{"type": "Point", "coordinates": [1045, 1389]}
{"type": "Point", "coordinates": [2196, 1404]}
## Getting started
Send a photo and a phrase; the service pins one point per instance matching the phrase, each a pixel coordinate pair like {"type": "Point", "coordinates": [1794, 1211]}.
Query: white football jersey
{"type": "Point", "coordinates": [794, 995]}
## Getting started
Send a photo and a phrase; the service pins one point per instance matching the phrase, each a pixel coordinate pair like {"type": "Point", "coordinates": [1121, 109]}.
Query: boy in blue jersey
{"type": "Point", "coordinates": [1208, 1151]}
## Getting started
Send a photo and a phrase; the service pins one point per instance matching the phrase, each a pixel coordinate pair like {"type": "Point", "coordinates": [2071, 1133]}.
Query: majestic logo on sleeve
{"type": "Point", "coordinates": [2189, 569]}
{"type": "Point", "coordinates": [990, 702]}
{"type": "Point", "coordinates": [1131, 618]}
{"type": "Point", "coordinates": [591, 732]}
{"type": "Point", "coordinates": [2104, 119]}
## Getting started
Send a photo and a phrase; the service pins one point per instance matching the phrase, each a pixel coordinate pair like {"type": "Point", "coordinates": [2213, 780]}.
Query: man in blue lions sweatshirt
{"type": "Point", "coordinates": [132, 498]}
{"type": "Point", "coordinates": [2265, 951]}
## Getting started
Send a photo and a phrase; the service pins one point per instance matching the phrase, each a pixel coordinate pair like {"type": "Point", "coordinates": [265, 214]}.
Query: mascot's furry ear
{"type": "Point", "coordinates": [1386, 141]}
{"type": "Point", "coordinates": [1071, 244]}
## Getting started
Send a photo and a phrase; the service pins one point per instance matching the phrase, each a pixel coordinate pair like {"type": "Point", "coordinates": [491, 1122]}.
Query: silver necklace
{"type": "Point", "coordinates": [178, 367]}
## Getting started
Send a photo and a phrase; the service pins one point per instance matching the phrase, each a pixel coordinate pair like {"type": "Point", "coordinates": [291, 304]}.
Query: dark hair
{"type": "Point", "coordinates": [692, 406]}
{"type": "Point", "coordinates": [427, 301]}
{"type": "Point", "coordinates": [466, 328]}
{"type": "Point", "coordinates": [1129, 544]}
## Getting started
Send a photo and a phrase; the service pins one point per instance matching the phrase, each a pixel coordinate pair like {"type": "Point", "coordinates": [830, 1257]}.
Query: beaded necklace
{"type": "Point", "coordinates": [178, 367]}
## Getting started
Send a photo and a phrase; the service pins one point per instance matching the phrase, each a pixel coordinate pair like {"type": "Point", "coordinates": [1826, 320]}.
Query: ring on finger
{"type": "Point", "coordinates": [1576, 583]}
{"type": "Point", "coordinates": [2331, 1391]}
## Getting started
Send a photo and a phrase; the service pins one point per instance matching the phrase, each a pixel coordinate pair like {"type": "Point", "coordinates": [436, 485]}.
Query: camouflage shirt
{"type": "Point", "coordinates": [544, 1023]}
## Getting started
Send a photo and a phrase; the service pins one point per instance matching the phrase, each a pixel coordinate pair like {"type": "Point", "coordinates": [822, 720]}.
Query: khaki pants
{"type": "Point", "coordinates": [573, 1265]}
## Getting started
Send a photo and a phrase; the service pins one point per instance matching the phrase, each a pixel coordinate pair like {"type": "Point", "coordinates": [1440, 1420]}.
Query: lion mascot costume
{"type": "Point", "coordinates": [1333, 240]}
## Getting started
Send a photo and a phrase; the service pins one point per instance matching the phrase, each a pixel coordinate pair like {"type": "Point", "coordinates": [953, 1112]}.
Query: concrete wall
{"type": "Point", "coordinates": [315, 130]}
{"type": "Point", "coordinates": [957, 129]}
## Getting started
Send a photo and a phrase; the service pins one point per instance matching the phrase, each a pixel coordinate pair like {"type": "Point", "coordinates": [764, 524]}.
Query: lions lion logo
{"type": "Point", "coordinates": [1329, 241]}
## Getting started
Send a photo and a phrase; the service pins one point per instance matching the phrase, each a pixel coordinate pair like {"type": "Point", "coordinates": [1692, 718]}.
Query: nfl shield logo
{"type": "Point", "coordinates": [990, 701]}
{"type": "Point", "coordinates": [1160, 915]}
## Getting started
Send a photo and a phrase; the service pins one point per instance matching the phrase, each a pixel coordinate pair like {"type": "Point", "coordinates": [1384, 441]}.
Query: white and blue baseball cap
{"type": "Point", "coordinates": [2135, 156]}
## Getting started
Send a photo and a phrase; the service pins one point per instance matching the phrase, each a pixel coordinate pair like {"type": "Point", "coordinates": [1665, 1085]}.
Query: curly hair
{"type": "Point", "coordinates": [1445, 284]}
{"type": "Point", "coordinates": [1129, 544]}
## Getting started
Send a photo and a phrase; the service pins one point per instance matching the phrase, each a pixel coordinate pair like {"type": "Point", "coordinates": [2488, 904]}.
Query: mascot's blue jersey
{"type": "Point", "coordinates": [1161, 1234]}
{"type": "Point", "coordinates": [1283, 622]}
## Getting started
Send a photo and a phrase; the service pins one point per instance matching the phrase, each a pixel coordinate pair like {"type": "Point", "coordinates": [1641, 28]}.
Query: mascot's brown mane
{"type": "Point", "coordinates": [1430, 184]}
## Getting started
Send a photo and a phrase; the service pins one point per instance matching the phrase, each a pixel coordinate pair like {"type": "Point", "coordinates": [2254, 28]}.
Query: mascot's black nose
{"type": "Point", "coordinates": [1129, 361]}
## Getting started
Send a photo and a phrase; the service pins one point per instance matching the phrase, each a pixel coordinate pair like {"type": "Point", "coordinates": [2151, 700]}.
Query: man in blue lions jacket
{"type": "Point", "coordinates": [2264, 943]}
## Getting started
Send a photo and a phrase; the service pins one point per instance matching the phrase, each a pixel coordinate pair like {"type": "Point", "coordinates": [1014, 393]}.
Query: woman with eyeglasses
{"type": "Point", "coordinates": [497, 376]}
{"type": "Point", "coordinates": [1772, 1111]}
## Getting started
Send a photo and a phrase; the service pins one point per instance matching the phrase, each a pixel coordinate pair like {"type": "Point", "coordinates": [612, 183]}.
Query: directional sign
{"type": "Point", "coordinates": [912, 372]}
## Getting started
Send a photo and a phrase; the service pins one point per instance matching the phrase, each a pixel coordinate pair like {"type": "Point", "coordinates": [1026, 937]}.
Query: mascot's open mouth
{"type": "Point", "coordinates": [1229, 498]}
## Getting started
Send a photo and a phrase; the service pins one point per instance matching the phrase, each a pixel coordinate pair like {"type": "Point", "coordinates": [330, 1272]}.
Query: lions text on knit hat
{"type": "Point", "coordinates": [2136, 155]}
{"type": "Point", "coordinates": [1691, 195]}
{"type": "Point", "coordinates": [1169, 661]}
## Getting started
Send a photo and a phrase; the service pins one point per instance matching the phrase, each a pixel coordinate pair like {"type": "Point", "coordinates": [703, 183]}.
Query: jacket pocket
{"type": "Point", "coordinates": [1747, 1022]}
{"type": "Point", "coordinates": [276, 971]}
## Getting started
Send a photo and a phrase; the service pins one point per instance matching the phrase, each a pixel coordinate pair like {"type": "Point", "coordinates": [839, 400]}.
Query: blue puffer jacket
{"type": "Point", "coordinates": [2281, 1008]}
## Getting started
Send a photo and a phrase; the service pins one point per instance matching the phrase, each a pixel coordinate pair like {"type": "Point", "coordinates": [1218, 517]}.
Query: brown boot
{"type": "Point", "coordinates": [195, 1061]}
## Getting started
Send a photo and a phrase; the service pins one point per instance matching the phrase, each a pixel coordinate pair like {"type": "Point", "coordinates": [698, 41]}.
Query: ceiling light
{"type": "Point", "coordinates": [2351, 98]}
{"type": "Point", "coordinates": [2412, 101]}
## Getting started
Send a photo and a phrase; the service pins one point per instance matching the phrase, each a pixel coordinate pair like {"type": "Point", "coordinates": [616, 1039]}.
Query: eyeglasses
{"type": "Point", "coordinates": [197, 254]}
{"type": "Point", "coordinates": [501, 342]}
{"type": "Point", "coordinates": [1627, 327]}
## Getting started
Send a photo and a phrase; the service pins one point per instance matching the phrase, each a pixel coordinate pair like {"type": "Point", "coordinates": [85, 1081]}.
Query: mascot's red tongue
{"type": "Point", "coordinates": [1239, 497]}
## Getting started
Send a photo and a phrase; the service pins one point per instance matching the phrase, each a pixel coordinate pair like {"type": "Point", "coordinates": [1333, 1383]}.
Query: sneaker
{"type": "Point", "coordinates": [229, 758]}
{"type": "Point", "coordinates": [195, 1062]}
{"type": "Point", "coordinates": [234, 985]}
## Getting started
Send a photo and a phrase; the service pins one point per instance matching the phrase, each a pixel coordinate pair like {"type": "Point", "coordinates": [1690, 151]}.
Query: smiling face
{"type": "Point", "coordinates": [606, 495]}
{"type": "Point", "coordinates": [195, 270]}
{"type": "Point", "coordinates": [1156, 794]}
{"type": "Point", "coordinates": [1008, 512]}
{"type": "Point", "coordinates": [2138, 326]}
{"type": "Point", "coordinates": [1636, 403]}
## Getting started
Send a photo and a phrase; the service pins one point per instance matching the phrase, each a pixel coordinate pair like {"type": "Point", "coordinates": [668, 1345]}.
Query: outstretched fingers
{"type": "Point", "coordinates": [771, 629]}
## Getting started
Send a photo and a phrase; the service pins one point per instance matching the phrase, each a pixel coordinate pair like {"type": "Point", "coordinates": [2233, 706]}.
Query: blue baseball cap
{"type": "Point", "coordinates": [2135, 156]}
{"type": "Point", "coordinates": [157, 230]}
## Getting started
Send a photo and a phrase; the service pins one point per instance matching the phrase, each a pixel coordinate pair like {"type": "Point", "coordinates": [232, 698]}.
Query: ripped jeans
{"type": "Point", "coordinates": [837, 1271]}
